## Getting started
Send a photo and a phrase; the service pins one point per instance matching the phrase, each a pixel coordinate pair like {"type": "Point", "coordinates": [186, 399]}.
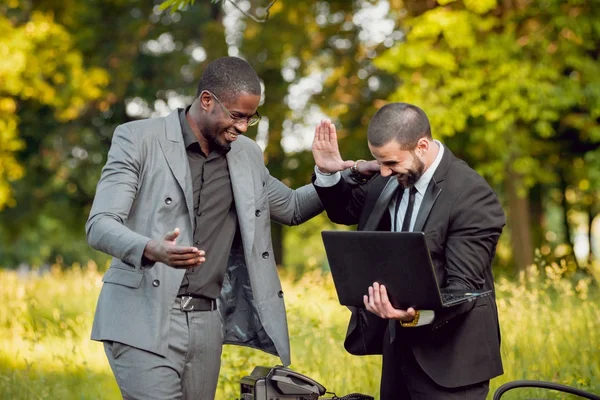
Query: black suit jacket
{"type": "Point", "coordinates": [462, 220]}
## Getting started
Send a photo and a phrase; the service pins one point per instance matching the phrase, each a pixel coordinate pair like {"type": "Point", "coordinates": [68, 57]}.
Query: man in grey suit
{"type": "Point", "coordinates": [184, 205]}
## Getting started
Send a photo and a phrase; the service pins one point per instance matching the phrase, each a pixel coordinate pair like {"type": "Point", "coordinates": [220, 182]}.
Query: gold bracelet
{"type": "Point", "coordinates": [412, 323]}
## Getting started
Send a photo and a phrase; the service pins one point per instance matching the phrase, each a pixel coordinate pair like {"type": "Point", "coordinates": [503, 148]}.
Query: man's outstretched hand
{"type": "Point", "coordinates": [167, 252]}
{"type": "Point", "coordinates": [325, 149]}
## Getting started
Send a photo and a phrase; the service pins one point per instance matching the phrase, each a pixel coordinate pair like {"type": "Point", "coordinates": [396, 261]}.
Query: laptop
{"type": "Point", "coordinates": [398, 260]}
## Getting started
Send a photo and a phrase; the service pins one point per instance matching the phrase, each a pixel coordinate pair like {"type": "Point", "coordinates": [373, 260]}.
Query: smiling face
{"type": "Point", "coordinates": [217, 127]}
{"type": "Point", "coordinates": [407, 165]}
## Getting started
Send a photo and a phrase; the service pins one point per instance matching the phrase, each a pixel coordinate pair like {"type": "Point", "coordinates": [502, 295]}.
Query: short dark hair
{"type": "Point", "coordinates": [227, 77]}
{"type": "Point", "coordinates": [402, 122]}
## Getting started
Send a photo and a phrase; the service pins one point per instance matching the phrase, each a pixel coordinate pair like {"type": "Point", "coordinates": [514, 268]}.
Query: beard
{"type": "Point", "coordinates": [414, 173]}
{"type": "Point", "coordinates": [216, 143]}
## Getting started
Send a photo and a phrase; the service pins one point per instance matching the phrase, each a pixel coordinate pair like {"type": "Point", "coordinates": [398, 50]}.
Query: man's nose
{"type": "Point", "coordinates": [241, 126]}
{"type": "Point", "coordinates": [385, 171]}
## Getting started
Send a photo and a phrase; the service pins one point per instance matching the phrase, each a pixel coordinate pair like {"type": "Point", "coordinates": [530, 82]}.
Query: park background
{"type": "Point", "coordinates": [510, 86]}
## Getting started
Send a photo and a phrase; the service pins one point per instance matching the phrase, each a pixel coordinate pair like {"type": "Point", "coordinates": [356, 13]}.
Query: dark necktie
{"type": "Point", "coordinates": [393, 324]}
{"type": "Point", "coordinates": [409, 208]}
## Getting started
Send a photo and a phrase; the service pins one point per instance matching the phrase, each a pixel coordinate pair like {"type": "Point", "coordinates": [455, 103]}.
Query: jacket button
{"type": "Point", "coordinates": [168, 201]}
{"type": "Point", "coordinates": [265, 255]}
{"type": "Point", "coordinates": [280, 293]}
{"type": "Point", "coordinates": [156, 283]}
{"type": "Point", "coordinates": [257, 213]}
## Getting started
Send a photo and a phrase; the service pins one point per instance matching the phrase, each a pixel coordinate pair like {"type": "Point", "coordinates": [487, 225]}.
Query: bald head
{"type": "Point", "coordinates": [402, 122]}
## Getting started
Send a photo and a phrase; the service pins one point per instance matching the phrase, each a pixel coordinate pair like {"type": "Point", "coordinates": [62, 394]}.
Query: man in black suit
{"type": "Point", "coordinates": [420, 186]}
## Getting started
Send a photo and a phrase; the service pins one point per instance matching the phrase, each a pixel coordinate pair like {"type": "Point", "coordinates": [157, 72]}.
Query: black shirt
{"type": "Point", "coordinates": [215, 217]}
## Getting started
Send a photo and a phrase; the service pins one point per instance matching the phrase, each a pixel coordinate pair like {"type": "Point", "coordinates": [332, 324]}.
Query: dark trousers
{"type": "Point", "coordinates": [403, 379]}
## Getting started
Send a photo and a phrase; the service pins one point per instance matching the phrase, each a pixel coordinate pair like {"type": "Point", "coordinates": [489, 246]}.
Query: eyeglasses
{"type": "Point", "coordinates": [250, 121]}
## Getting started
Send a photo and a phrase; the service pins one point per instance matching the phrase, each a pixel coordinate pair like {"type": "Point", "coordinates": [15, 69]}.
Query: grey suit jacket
{"type": "Point", "coordinates": [145, 190]}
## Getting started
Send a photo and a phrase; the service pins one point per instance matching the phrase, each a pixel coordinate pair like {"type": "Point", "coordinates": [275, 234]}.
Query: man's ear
{"type": "Point", "coordinates": [422, 146]}
{"type": "Point", "coordinates": [205, 100]}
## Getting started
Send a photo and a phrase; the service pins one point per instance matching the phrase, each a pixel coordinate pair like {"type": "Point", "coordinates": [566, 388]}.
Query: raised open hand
{"type": "Point", "coordinates": [325, 149]}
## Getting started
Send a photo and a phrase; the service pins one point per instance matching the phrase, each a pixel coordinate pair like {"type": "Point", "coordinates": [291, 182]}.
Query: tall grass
{"type": "Point", "coordinates": [550, 331]}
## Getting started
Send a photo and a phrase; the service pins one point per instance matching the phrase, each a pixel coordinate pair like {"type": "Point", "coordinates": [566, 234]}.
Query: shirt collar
{"type": "Point", "coordinates": [188, 134]}
{"type": "Point", "coordinates": [423, 182]}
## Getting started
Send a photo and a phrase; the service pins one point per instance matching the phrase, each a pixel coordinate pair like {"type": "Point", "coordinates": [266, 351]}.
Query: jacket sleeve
{"type": "Point", "coordinates": [365, 333]}
{"type": "Point", "coordinates": [345, 200]}
{"type": "Point", "coordinates": [115, 193]}
{"type": "Point", "coordinates": [291, 207]}
{"type": "Point", "coordinates": [474, 228]}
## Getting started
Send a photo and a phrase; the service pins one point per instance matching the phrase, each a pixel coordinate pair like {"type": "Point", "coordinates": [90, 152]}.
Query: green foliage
{"type": "Point", "coordinates": [40, 65]}
{"type": "Point", "coordinates": [514, 91]}
{"type": "Point", "coordinates": [63, 158]}
{"type": "Point", "coordinates": [46, 353]}
{"type": "Point", "coordinates": [175, 4]}
{"type": "Point", "coordinates": [505, 86]}
{"type": "Point", "coordinates": [304, 246]}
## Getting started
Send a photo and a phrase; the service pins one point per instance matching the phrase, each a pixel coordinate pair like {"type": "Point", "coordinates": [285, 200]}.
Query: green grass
{"type": "Point", "coordinates": [550, 331]}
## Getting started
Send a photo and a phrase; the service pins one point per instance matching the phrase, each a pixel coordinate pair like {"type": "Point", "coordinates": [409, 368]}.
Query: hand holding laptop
{"type": "Point", "coordinates": [379, 304]}
{"type": "Point", "coordinates": [398, 260]}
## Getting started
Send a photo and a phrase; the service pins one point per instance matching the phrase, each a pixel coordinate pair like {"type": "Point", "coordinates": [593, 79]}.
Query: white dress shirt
{"type": "Point", "coordinates": [421, 186]}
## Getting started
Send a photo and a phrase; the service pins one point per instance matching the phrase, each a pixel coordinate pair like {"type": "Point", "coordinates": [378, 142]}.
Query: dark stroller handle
{"type": "Point", "coordinates": [543, 385]}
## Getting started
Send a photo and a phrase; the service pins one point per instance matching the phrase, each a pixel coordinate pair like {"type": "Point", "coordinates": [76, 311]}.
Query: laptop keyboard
{"type": "Point", "coordinates": [449, 297]}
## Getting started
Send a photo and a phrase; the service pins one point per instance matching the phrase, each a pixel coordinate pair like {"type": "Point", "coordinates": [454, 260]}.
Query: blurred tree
{"type": "Point", "coordinates": [512, 87]}
{"type": "Point", "coordinates": [41, 65]}
{"type": "Point", "coordinates": [153, 60]}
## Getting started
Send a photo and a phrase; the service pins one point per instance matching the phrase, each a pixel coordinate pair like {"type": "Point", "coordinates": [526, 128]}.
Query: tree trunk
{"type": "Point", "coordinates": [591, 255]}
{"type": "Point", "coordinates": [519, 223]}
{"type": "Point", "coordinates": [536, 210]}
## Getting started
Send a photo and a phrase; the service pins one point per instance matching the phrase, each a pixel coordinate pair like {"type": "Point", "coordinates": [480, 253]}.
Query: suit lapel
{"type": "Point", "coordinates": [174, 150]}
{"type": "Point", "coordinates": [433, 190]}
{"type": "Point", "coordinates": [381, 205]}
{"type": "Point", "coordinates": [242, 183]}
{"type": "Point", "coordinates": [429, 198]}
